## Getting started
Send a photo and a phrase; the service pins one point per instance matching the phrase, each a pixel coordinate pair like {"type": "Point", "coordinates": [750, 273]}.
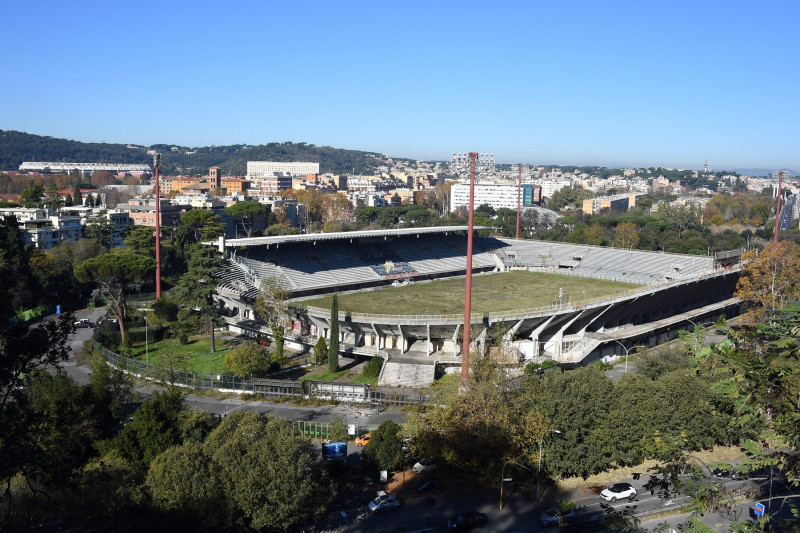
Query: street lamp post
{"type": "Point", "coordinates": [146, 349]}
{"type": "Point", "coordinates": [503, 477]}
{"type": "Point", "coordinates": [626, 354]}
{"type": "Point", "coordinates": [539, 474]}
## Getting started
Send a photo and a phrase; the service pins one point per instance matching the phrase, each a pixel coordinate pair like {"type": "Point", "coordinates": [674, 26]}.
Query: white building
{"type": "Point", "coordinates": [497, 195]}
{"type": "Point", "coordinates": [261, 169]}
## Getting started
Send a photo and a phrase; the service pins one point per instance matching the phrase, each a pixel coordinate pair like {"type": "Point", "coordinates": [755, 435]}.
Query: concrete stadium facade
{"type": "Point", "coordinates": [676, 291]}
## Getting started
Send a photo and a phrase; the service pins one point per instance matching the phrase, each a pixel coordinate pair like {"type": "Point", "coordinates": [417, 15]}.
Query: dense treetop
{"type": "Point", "coordinates": [16, 147]}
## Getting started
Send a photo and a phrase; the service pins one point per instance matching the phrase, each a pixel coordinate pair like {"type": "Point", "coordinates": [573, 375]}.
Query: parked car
{"type": "Point", "coordinates": [551, 517]}
{"type": "Point", "coordinates": [429, 487]}
{"type": "Point", "coordinates": [363, 440]}
{"type": "Point", "coordinates": [424, 465]}
{"type": "Point", "coordinates": [468, 520]}
{"type": "Point", "coordinates": [728, 473]}
{"type": "Point", "coordinates": [83, 323]}
{"type": "Point", "coordinates": [618, 491]}
{"type": "Point", "coordinates": [383, 503]}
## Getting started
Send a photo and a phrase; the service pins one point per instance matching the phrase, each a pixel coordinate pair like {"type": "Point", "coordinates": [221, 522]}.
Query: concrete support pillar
{"type": "Point", "coordinates": [430, 346]}
{"type": "Point", "coordinates": [403, 340]}
{"type": "Point", "coordinates": [455, 341]}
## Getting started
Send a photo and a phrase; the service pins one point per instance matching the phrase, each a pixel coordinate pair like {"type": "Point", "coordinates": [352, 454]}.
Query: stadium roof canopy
{"type": "Point", "coordinates": [313, 237]}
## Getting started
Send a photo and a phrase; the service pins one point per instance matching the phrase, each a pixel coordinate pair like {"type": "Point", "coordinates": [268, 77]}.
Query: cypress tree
{"type": "Point", "coordinates": [333, 349]}
{"type": "Point", "coordinates": [76, 195]}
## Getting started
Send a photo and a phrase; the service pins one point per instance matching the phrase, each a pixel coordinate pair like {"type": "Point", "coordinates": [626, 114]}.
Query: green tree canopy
{"type": "Point", "coordinates": [113, 273]}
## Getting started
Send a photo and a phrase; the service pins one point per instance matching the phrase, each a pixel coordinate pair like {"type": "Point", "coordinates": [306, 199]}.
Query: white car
{"type": "Point", "coordinates": [382, 503]}
{"type": "Point", "coordinates": [618, 491]}
{"type": "Point", "coordinates": [424, 465]}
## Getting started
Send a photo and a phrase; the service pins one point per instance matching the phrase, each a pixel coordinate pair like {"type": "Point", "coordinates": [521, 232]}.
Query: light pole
{"type": "Point", "coordinates": [626, 354]}
{"type": "Point", "coordinates": [539, 474]}
{"type": "Point", "coordinates": [503, 477]}
{"type": "Point", "coordinates": [146, 349]}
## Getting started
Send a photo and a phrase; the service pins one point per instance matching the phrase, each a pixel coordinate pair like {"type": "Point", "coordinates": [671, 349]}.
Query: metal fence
{"type": "Point", "coordinates": [274, 388]}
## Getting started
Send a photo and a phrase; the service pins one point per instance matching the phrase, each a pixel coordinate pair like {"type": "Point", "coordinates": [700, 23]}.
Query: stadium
{"type": "Point", "coordinates": [400, 292]}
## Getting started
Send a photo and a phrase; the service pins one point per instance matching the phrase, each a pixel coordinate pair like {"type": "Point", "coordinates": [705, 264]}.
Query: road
{"type": "Point", "coordinates": [325, 413]}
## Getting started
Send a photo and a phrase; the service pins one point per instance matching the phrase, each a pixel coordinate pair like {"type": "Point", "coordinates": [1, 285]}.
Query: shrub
{"type": "Point", "coordinates": [549, 363]}
{"type": "Point", "coordinates": [373, 367]}
{"type": "Point", "coordinates": [183, 338]}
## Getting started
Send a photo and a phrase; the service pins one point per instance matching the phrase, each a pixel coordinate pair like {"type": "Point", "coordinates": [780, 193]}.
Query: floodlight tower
{"type": "Point", "coordinates": [705, 167]}
{"type": "Point", "coordinates": [156, 164]}
{"type": "Point", "coordinates": [778, 209]}
{"type": "Point", "coordinates": [468, 294]}
{"type": "Point", "coordinates": [519, 190]}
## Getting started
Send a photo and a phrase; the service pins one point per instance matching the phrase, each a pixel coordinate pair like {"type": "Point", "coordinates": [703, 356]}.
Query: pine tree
{"type": "Point", "coordinates": [333, 349]}
{"type": "Point", "coordinates": [68, 200]}
{"type": "Point", "coordinates": [89, 200]}
{"type": "Point", "coordinates": [198, 286]}
{"type": "Point", "coordinates": [76, 195]}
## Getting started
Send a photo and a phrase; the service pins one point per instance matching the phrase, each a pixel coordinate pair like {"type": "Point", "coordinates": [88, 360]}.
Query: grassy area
{"type": "Point", "coordinates": [194, 357]}
{"type": "Point", "coordinates": [518, 289]}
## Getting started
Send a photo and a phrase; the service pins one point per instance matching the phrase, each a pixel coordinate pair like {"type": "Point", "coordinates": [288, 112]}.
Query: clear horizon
{"type": "Point", "coordinates": [615, 84]}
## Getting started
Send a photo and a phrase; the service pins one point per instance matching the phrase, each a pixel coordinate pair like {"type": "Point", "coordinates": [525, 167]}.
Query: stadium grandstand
{"type": "Point", "coordinates": [669, 292]}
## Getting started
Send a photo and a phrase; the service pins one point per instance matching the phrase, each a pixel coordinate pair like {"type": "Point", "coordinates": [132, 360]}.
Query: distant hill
{"type": "Point", "coordinates": [764, 171]}
{"type": "Point", "coordinates": [16, 147]}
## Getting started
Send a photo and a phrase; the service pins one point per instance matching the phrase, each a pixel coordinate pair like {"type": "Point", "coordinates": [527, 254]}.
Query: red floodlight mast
{"type": "Point", "coordinates": [468, 295]}
{"type": "Point", "coordinates": [519, 190]}
{"type": "Point", "coordinates": [156, 163]}
{"type": "Point", "coordinates": [778, 209]}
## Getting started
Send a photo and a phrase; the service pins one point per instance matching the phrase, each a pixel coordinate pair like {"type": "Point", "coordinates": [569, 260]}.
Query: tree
{"type": "Point", "coordinates": [272, 478]}
{"type": "Point", "coordinates": [594, 234]}
{"type": "Point", "coordinates": [141, 240]}
{"type": "Point", "coordinates": [76, 195]}
{"type": "Point", "coordinates": [68, 200]}
{"type": "Point", "coordinates": [204, 224]}
{"type": "Point", "coordinates": [769, 278]}
{"type": "Point", "coordinates": [18, 288]}
{"type": "Point", "coordinates": [320, 351]}
{"type": "Point", "coordinates": [31, 196]}
{"type": "Point", "coordinates": [245, 213]}
{"type": "Point", "coordinates": [99, 229]}
{"type": "Point", "coordinates": [385, 448]}
{"type": "Point", "coordinates": [333, 349]}
{"type": "Point", "coordinates": [183, 480]}
{"type": "Point", "coordinates": [113, 273]}
{"type": "Point", "coordinates": [626, 236]}
{"type": "Point", "coordinates": [155, 428]}
{"type": "Point", "coordinates": [248, 359]}
{"type": "Point", "coordinates": [89, 200]}
{"type": "Point", "coordinates": [272, 306]}
{"type": "Point", "coordinates": [198, 287]}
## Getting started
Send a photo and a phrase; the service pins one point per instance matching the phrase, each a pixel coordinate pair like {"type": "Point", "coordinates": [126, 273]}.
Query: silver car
{"type": "Point", "coordinates": [383, 503]}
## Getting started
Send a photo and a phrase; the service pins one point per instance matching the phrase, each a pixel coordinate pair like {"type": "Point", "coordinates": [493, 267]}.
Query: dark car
{"type": "Point", "coordinates": [468, 520]}
{"type": "Point", "coordinates": [429, 487]}
{"type": "Point", "coordinates": [728, 473]}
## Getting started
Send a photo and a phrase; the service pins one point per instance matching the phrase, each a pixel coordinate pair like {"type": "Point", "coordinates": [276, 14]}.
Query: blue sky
{"type": "Point", "coordinates": [639, 83]}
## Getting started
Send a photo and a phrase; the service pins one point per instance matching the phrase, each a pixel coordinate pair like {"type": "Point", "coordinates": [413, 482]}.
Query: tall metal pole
{"type": "Point", "coordinates": [519, 190]}
{"type": "Point", "coordinates": [778, 209]}
{"type": "Point", "coordinates": [156, 163]}
{"type": "Point", "coordinates": [468, 295]}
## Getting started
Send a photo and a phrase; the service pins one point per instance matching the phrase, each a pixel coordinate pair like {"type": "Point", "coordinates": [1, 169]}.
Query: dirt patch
{"type": "Point", "coordinates": [594, 484]}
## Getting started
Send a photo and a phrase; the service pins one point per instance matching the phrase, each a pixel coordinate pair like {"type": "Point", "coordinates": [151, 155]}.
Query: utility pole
{"type": "Point", "coordinates": [156, 164]}
{"type": "Point", "coordinates": [468, 295]}
{"type": "Point", "coordinates": [519, 191]}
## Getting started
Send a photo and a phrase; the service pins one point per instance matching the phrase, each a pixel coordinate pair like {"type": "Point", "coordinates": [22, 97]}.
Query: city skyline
{"type": "Point", "coordinates": [614, 84]}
